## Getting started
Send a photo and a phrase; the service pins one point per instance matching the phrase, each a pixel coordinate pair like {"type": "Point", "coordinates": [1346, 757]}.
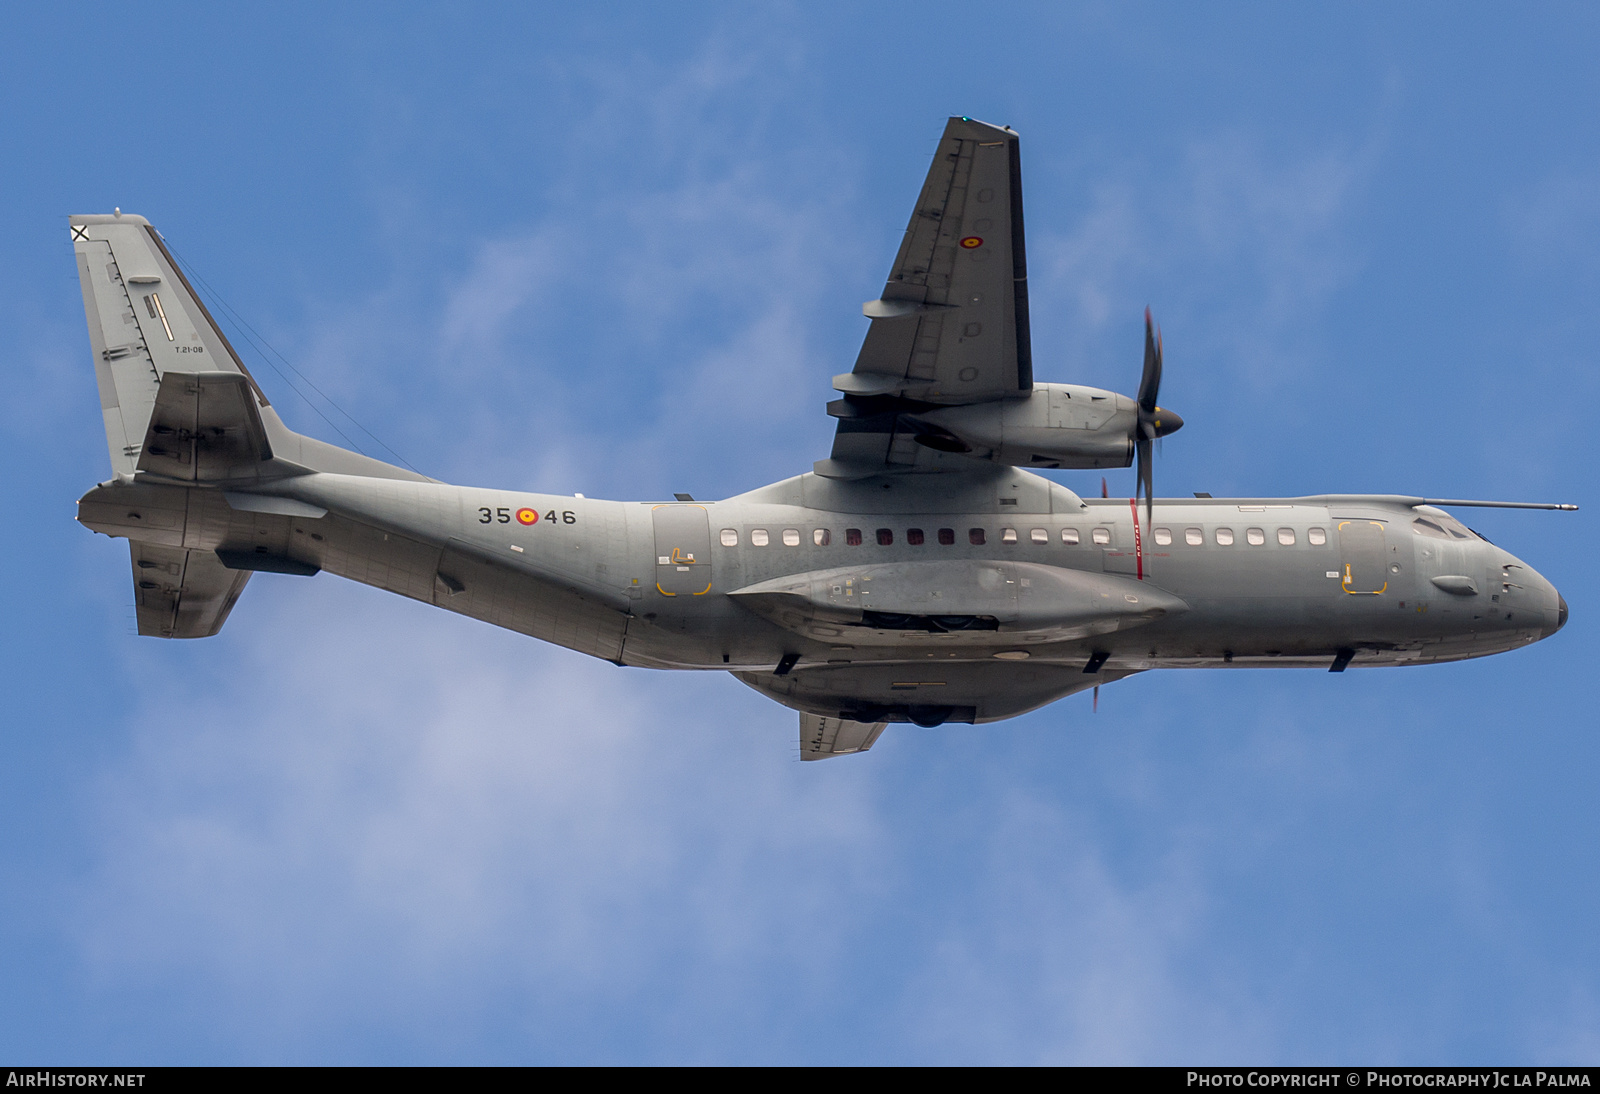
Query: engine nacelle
{"type": "Point", "coordinates": [1058, 425]}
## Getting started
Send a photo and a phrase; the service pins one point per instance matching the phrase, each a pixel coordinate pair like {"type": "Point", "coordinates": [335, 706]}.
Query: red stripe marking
{"type": "Point", "coordinates": [1138, 542]}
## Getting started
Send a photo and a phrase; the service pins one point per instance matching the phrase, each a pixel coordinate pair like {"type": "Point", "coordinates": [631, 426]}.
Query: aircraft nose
{"type": "Point", "coordinates": [1561, 611]}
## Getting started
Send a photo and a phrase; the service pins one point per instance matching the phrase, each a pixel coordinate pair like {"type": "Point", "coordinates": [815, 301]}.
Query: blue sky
{"type": "Point", "coordinates": [621, 250]}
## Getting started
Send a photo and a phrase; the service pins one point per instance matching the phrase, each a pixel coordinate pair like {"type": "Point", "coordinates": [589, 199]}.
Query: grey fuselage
{"type": "Point", "coordinates": [815, 591]}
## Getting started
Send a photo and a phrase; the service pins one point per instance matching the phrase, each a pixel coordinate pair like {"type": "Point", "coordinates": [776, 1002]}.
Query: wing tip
{"type": "Point", "coordinates": [107, 218]}
{"type": "Point", "coordinates": [962, 125]}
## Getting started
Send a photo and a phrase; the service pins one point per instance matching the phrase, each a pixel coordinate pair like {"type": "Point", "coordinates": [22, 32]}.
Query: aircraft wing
{"type": "Point", "coordinates": [181, 593]}
{"type": "Point", "coordinates": [951, 327]}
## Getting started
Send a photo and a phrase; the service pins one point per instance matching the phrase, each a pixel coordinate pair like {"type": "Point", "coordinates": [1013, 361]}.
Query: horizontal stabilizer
{"type": "Point", "coordinates": [822, 737]}
{"type": "Point", "coordinates": [179, 593]}
{"type": "Point", "coordinates": [205, 427]}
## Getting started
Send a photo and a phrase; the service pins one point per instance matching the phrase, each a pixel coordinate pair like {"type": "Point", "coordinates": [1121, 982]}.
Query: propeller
{"type": "Point", "coordinates": [1154, 422]}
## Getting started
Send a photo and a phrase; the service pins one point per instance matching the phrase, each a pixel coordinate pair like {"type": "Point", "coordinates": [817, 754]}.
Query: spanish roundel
{"type": "Point", "coordinates": [972, 242]}
{"type": "Point", "coordinates": [527, 516]}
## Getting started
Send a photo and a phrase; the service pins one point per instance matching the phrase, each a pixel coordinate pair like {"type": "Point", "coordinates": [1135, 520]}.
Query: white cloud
{"type": "Point", "coordinates": [1568, 1032]}
{"type": "Point", "coordinates": [649, 298]}
{"type": "Point", "coordinates": [1059, 961]}
{"type": "Point", "coordinates": [1237, 248]}
{"type": "Point", "coordinates": [395, 809]}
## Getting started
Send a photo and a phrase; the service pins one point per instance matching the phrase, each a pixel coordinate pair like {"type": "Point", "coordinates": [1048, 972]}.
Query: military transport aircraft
{"type": "Point", "coordinates": [918, 574]}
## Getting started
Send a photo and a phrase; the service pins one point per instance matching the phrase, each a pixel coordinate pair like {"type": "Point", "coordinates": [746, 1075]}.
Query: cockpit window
{"type": "Point", "coordinates": [1439, 526]}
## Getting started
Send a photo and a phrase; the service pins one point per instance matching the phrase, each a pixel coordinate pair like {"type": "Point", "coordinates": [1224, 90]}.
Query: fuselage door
{"type": "Point", "coordinates": [1363, 553]}
{"type": "Point", "coordinates": [683, 549]}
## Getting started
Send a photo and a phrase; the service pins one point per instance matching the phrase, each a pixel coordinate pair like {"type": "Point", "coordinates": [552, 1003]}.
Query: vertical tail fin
{"type": "Point", "coordinates": [185, 422]}
{"type": "Point", "coordinates": [144, 321]}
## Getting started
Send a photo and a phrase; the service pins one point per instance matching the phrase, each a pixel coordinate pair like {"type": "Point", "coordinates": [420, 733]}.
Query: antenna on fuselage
{"type": "Point", "coordinates": [1562, 506]}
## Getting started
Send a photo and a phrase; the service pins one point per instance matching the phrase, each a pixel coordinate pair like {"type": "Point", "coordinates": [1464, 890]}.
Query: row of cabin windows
{"type": "Point", "coordinates": [822, 537]}
{"type": "Point", "coordinates": [1194, 537]}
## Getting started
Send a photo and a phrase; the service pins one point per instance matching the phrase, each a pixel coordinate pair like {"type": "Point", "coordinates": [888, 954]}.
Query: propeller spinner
{"type": "Point", "coordinates": [1154, 421]}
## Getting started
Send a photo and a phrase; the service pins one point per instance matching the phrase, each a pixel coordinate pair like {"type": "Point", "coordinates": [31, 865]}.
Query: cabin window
{"type": "Point", "coordinates": [975, 536]}
{"type": "Point", "coordinates": [1286, 537]}
{"type": "Point", "coordinates": [1102, 536]}
{"type": "Point", "coordinates": [758, 537]}
{"type": "Point", "coordinates": [1225, 537]}
{"type": "Point", "coordinates": [1069, 536]}
{"type": "Point", "coordinates": [730, 537]}
{"type": "Point", "coordinates": [1193, 537]}
{"type": "Point", "coordinates": [947, 537]}
{"type": "Point", "coordinates": [821, 537]}
{"type": "Point", "coordinates": [1008, 535]}
{"type": "Point", "coordinates": [885, 537]}
{"type": "Point", "coordinates": [1039, 535]}
{"type": "Point", "coordinates": [1163, 537]}
{"type": "Point", "coordinates": [852, 537]}
{"type": "Point", "coordinates": [791, 537]}
{"type": "Point", "coordinates": [1255, 537]}
{"type": "Point", "coordinates": [1317, 537]}
{"type": "Point", "coordinates": [914, 536]}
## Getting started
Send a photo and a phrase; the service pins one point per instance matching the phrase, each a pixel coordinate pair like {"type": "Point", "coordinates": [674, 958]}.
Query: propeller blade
{"type": "Point", "coordinates": [1153, 422]}
{"type": "Point", "coordinates": [1150, 382]}
{"type": "Point", "coordinates": [1147, 477]}
{"type": "Point", "coordinates": [1096, 699]}
{"type": "Point", "coordinates": [1105, 491]}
